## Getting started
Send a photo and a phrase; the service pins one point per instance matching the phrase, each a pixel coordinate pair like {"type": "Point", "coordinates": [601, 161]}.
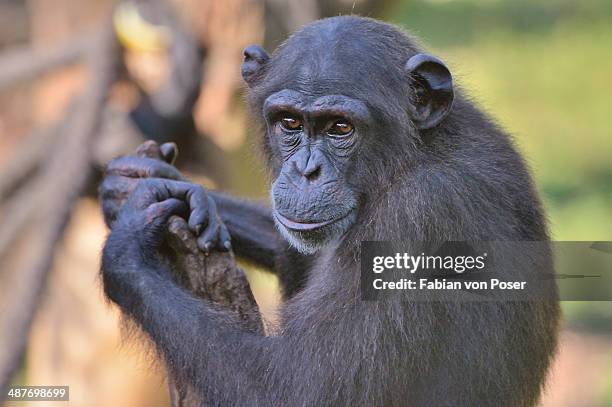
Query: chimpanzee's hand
{"type": "Point", "coordinates": [123, 173]}
{"type": "Point", "coordinates": [143, 218]}
{"type": "Point", "coordinates": [129, 258]}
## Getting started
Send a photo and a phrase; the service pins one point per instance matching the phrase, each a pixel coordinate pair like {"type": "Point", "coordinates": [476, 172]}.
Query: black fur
{"type": "Point", "coordinates": [460, 179]}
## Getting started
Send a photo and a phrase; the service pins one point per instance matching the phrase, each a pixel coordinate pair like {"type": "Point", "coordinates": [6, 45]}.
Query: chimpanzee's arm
{"type": "Point", "coordinates": [199, 345]}
{"type": "Point", "coordinates": [255, 238]}
{"type": "Point", "coordinates": [251, 226]}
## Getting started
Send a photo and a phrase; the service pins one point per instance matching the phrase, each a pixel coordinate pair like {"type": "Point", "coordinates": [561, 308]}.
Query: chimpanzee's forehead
{"type": "Point", "coordinates": [314, 105]}
{"type": "Point", "coordinates": [312, 81]}
{"type": "Point", "coordinates": [330, 65]}
{"type": "Point", "coordinates": [355, 57]}
{"type": "Point", "coordinates": [340, 56]}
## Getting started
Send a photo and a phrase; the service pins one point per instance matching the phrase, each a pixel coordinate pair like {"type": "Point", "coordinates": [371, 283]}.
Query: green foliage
{"type": "Point", "coordinates": [592, 316]}
{"type": "Point", "coordinates": [460, 22]}
{"type": "Point", "coordinates": [543, 69]}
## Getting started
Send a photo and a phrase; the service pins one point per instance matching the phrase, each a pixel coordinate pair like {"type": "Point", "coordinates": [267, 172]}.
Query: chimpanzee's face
{"type": "Point", "coordinates": [316, 138]}
{"type": "Point", "coordinates": [336, 103]}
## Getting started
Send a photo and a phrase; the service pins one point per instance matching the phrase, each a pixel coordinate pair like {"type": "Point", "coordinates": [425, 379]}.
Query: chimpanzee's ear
{"type": "Point", "coordinates": [433, 86]}
{"type": "Point", "coordinates": [255, 58]}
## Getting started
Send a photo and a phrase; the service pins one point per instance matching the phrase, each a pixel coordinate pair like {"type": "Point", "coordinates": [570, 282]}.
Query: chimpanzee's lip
{"type": "Point", "coordinates": [303, 226]}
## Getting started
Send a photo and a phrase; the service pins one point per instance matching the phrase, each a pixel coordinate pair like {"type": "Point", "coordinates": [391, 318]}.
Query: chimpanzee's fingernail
{"type": "Point", "coordinates": [207, 247]}
{"type": "Point", "coordinates": [169, 152]}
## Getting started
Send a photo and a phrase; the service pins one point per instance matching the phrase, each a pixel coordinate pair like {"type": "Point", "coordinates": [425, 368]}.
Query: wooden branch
{"type": "Point", "coordinates": [70, 169]}
{"type": "Point", "coordinates": [36, 175]}
{"type": "Point", "coordinates": [214, 278]}
{"type": "Point", "coordinates": [26, 159]}
{"type": "Point", "coordinates": [44, 204]}
{"type": "Point", "coordinates": [24, 63]}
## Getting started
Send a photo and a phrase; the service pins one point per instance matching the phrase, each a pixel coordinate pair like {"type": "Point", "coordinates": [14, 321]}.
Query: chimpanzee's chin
{"type": "Point", "coordinates": [309, 240]}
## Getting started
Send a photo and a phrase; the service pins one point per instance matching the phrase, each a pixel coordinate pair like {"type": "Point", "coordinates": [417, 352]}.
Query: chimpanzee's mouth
{"type": "Point", "coordinates": [304, 226]}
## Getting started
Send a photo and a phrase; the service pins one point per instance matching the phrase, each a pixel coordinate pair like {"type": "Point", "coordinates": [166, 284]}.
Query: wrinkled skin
{"type": "Point", "coordinates": [313, 202]}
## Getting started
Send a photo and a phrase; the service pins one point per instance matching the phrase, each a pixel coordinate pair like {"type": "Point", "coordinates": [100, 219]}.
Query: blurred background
{"type": "Point", "coordinates": [84, 81]}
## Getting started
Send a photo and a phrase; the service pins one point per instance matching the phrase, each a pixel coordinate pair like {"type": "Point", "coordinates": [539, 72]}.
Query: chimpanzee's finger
{"type": "Point", "coordinates": [208, 240]}
{"type": "Point", "coordinates": [169, 152]}
{"type": "Point", "coordinates": [200, 209]}
{"type": "Point", "coordinates": [195, 196]}
{"type": "Point", "coordinates": [113, 193]}
{"type": "Point", "coordinates": [110, 210]}
{"type": "Point", "coordinates": [158, 213]}
{"type": "Point", "coordinates": [115, 187]}
{"type": "Point", "coordinates": [149, 149]}
{"type": "Point", "coordinates": [224, 242]}
{"type": "Point", "coordinates": [142, 167]}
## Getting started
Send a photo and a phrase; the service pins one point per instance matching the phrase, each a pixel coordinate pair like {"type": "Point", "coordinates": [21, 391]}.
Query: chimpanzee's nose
{"type": "Point", "coordinates": [312, 170]}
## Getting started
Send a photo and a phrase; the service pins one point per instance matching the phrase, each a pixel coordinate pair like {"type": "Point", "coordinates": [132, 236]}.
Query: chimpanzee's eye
{"type": "Point", "coordinates": [291, 123]}
{"type": "Point", "coordinates": [340, 128]}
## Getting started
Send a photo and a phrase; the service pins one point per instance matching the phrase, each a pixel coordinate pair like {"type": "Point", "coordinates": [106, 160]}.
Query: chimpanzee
{"type": "Point", "coordinates": [366, 139]}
